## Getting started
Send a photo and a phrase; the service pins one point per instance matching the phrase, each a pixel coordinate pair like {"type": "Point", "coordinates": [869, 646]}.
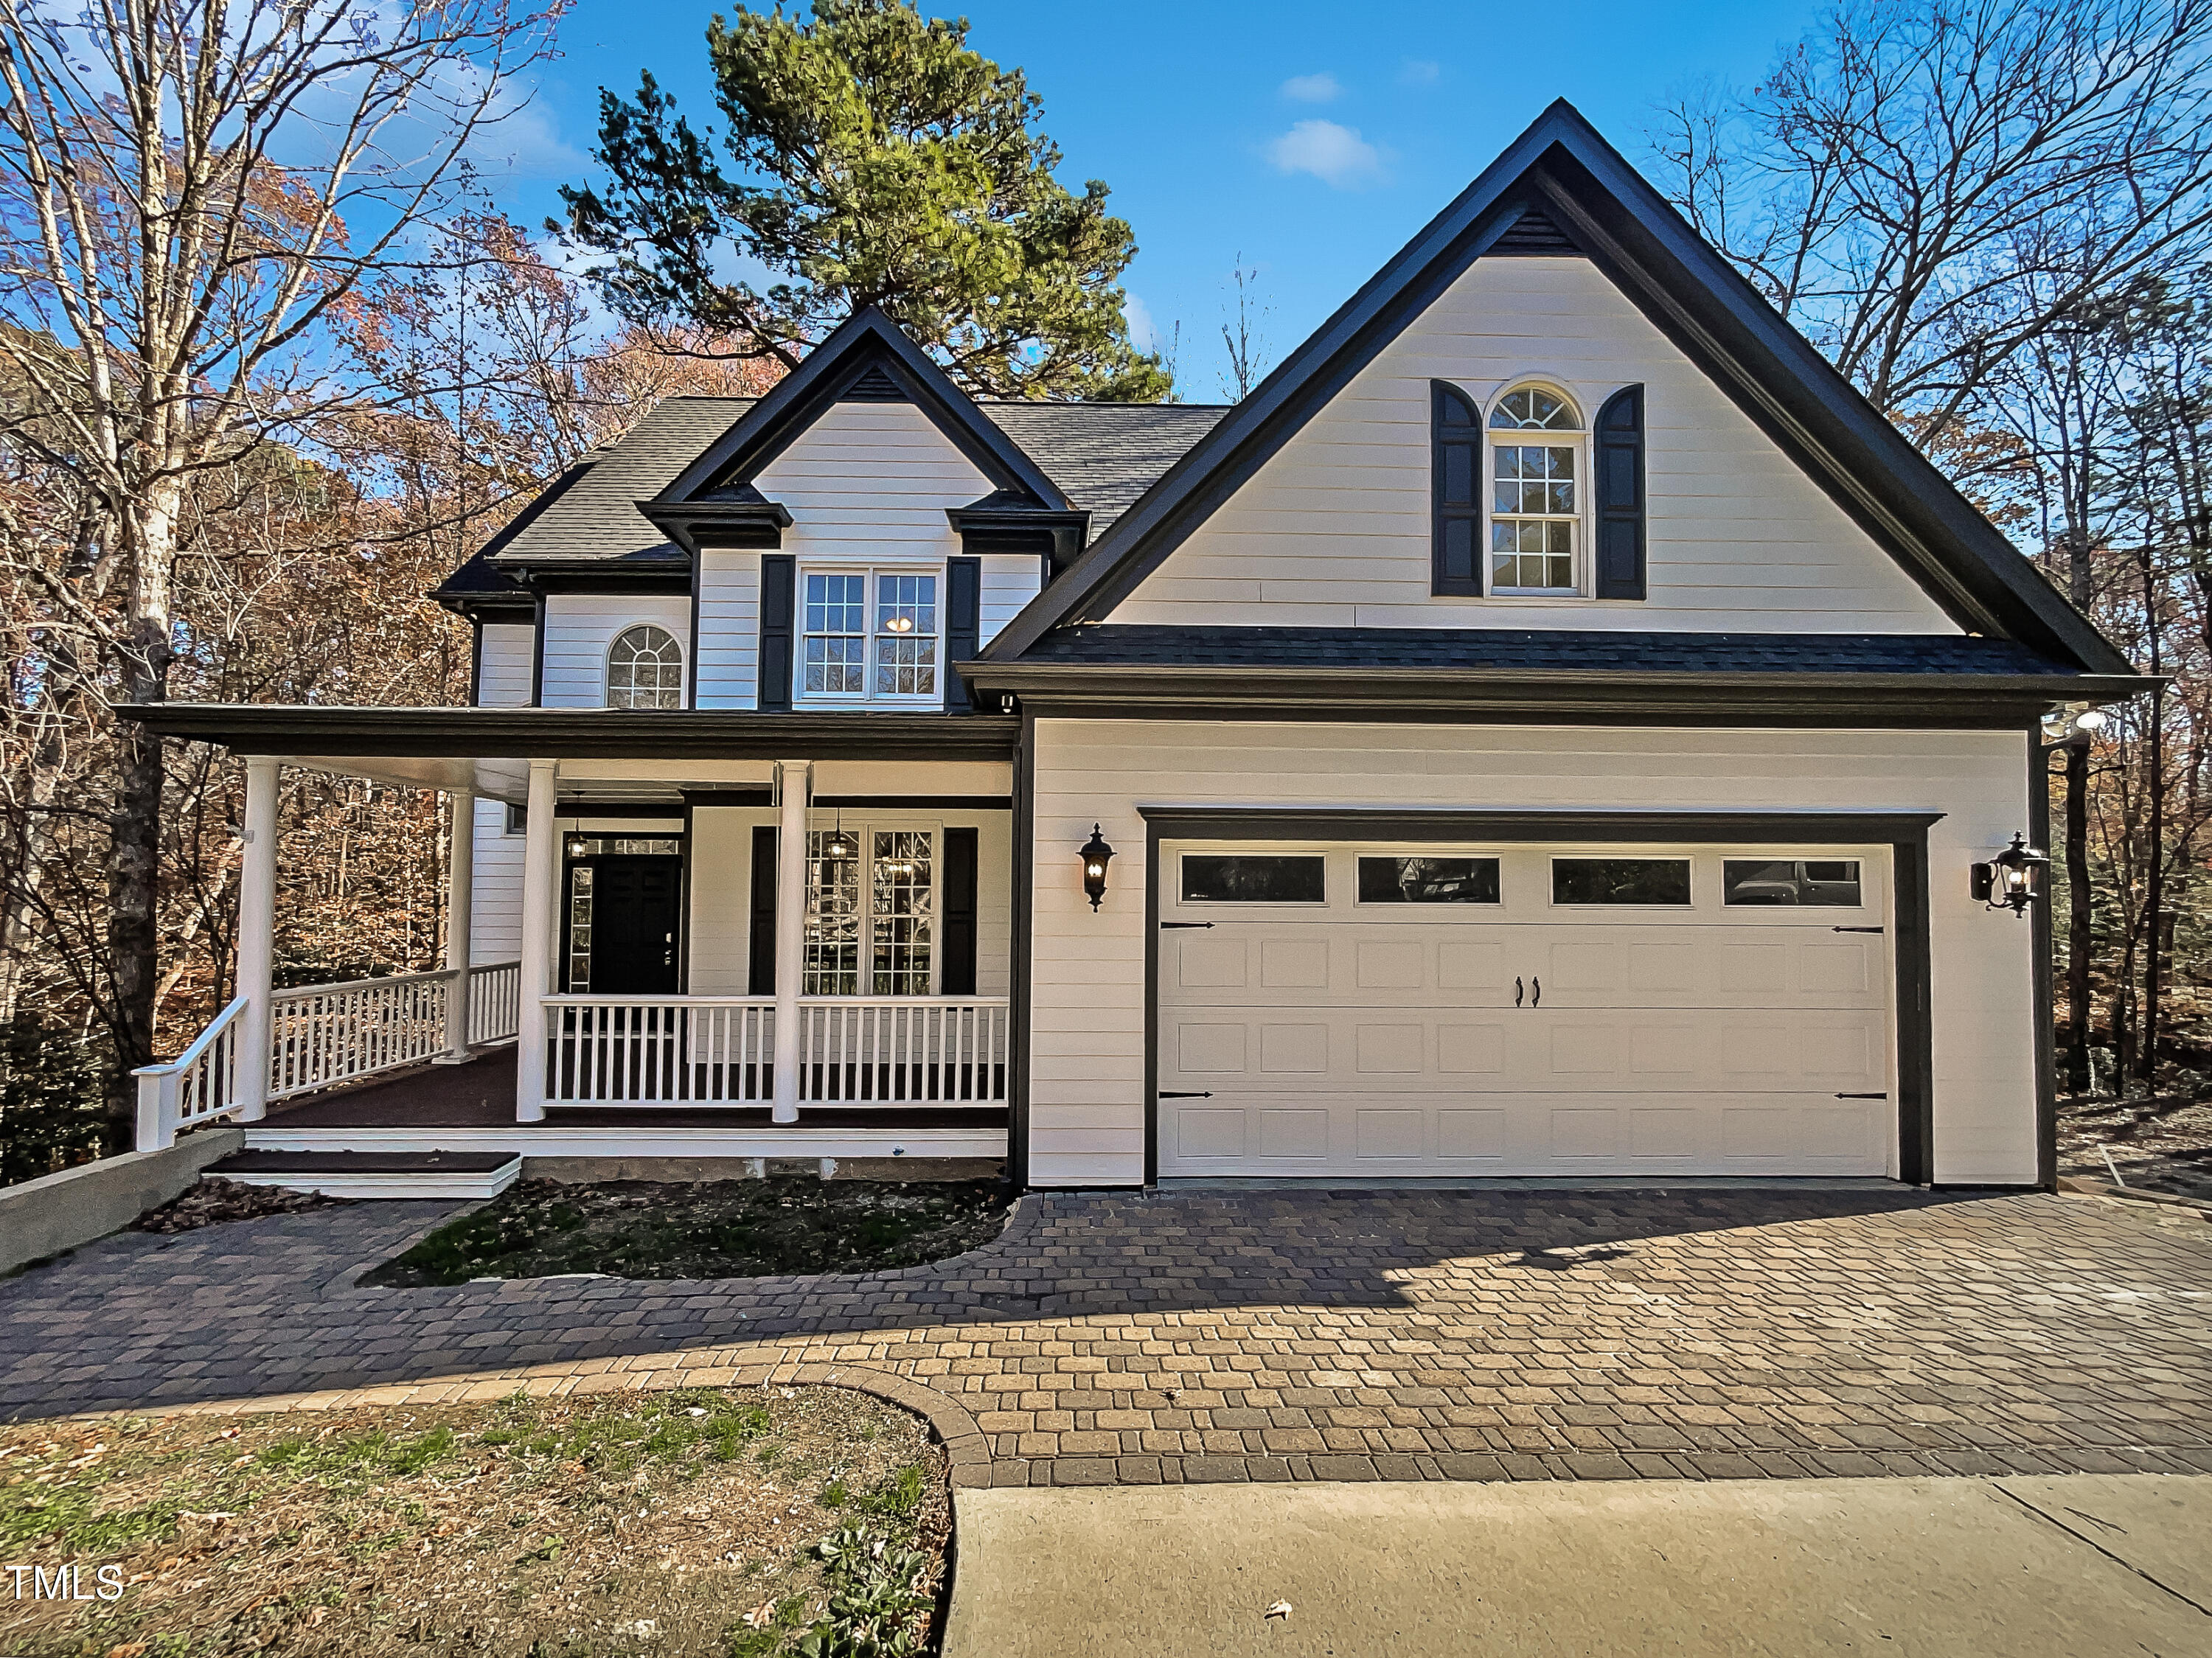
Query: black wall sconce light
{"type": "Point", "coordinates": [1096, 855]}
{"type": "Point", "coordinates": [2017, 877]}
{"type": "Point", "coordinates": [579, 847]}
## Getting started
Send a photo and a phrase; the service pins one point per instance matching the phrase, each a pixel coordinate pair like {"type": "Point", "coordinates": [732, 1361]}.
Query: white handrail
{"type": "Point", "coordinates": [197, 1086]}
{"type": "Point", "coordinates": [319, 1034]}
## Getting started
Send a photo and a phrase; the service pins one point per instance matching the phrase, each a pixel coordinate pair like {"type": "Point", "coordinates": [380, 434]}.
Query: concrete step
{"type": "Point", "coordinates": [376, 1173]}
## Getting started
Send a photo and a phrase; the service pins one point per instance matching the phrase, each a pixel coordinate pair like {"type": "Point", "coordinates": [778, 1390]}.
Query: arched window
{"type": "Point", "coordinates": [1535, 491]}
{"type": "Point", "coordinates": [645, 670]}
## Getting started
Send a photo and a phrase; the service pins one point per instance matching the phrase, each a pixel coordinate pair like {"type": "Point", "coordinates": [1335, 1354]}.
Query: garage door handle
{"type": "Point", "coordinates": [1520, 991]}
{"type": "Point", "coordinates": [1164, 925]}
{"type": "Point", "coordinates": [1537, 1000]}
{"type": "Point", "coordinates": [1854, 929]}
{"type": "Point", "coordinates": [1861, 1097]}
{"type": "Point", "coordinates": [1170, 1093]}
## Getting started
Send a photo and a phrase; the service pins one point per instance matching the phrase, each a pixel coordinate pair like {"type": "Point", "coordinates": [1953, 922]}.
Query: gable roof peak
{"type": "Point", "coordinates": [1561, 167]}
{"type": "Point", "coordinates": [870, 352]}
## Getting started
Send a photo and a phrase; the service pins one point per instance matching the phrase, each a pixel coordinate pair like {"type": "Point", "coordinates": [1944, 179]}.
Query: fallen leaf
{"type": "Point", "coordinates": [136, 1650]}
{"type": "Point", "coordinates": [1281, 1609]}
{"type": "Point", "coordinates": [761, 1616]}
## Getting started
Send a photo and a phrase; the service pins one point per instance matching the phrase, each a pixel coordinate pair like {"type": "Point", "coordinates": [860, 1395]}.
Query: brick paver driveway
{"type": "Point", "coordinates": [1273, 1335]}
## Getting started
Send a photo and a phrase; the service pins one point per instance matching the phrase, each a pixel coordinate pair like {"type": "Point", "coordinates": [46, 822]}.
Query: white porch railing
{"type": "Point", "coordinates": [662, 1050]}
{"type": "Point", "coordinates": [494, 1003]}
{"type": "Point", "coordinates": [319, 1034]}
{"type": "Point", "coordinates": [197, 1086]}
{"type": "Point", "coordinates": [720, 1050]}
{"type": "Point", "coordinates": [903, 1050]}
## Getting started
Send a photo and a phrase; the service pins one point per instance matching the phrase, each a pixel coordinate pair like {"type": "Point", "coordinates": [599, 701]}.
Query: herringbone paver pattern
{"type": "Point", "coordinates": [1275, 1335]}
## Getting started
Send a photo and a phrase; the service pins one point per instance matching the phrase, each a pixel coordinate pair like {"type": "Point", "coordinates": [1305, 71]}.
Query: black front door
{"type": "Point", "coordinates": [634, 921]}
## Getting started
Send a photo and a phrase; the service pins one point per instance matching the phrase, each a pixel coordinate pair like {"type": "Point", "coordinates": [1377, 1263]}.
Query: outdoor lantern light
{"type": "Point", "coordinates": [1095, 854]}
{"type": "Point", "coordinates": [2014, 879]}
{"type": "Point", "coordinates": [840, 848]}
{"type": "Point", "coordinates": [578, 846]}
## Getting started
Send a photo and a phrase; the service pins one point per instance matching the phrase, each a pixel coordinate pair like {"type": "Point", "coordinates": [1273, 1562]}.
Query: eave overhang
{"type": "Point", "coordinates": [1522, 695]}
{"type": "Point", "coordinates": [693, 524]}
{"type": "Point", "coordinates": [579, 733]}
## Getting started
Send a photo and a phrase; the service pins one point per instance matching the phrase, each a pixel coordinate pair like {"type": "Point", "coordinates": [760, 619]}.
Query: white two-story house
{"type": "Point", "coordinates": [1550, 728]}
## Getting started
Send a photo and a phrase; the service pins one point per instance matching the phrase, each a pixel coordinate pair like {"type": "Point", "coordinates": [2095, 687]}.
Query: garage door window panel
{"type": "Point", "coordinates": [1801, 883]}
{"type": "Point", "coordinates": [1253, 878]}
{"type": "Point", "coordinates": [1643, 881]}
{"type": "Point", "coordinates": [1426, 880]}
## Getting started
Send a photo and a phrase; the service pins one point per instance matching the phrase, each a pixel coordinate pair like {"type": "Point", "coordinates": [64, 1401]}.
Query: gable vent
{"type": "Point", "coordinates": [874, 386]}
{"type": "Point", "coordinates": [1534, 233]}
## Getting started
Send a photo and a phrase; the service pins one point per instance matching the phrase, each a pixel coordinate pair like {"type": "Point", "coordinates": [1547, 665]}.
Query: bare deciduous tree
{"type": "Point", "coordinates": [189, 189]}
{"type": "Point", "coordinates": [1925, 189]}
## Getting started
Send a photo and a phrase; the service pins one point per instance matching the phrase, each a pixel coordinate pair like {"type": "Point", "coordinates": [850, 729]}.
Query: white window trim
{"type": "Point", "coordinates": [864, 831]}
{"type": "Point", "coordinates": [607, 664]}
{"type": "Point", "coordinates": [1495, 437]}
{"type": "Point", "coordinates": [865, 696]}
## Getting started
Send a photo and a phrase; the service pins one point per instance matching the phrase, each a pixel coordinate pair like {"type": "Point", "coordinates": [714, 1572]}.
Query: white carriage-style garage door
{"type": "Point", "coordinates": [1362, 1011]}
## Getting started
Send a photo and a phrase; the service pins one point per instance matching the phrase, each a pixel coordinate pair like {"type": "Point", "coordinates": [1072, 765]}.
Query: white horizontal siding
{"type": "Point", "coordinates": [503, 665]}
{"type": "Point", "coordinates": [1333, 530]}
{"type": "Point", "coordinates": [729, 628]}
{"type": "Point", "coordinates": [1087, 1020]}
{"type": "Point", "coordinates": [495, 886]}
{"type": "Point", "coordinates": [580, 628]}
{"type": "Point", "coordinates": [868, 482]}
{"type": "Point", "coordinates": [1009, 582]}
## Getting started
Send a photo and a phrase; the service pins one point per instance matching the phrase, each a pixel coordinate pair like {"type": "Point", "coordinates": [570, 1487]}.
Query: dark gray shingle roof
{"type": "Point", "coordinates": [1620, 650]}
{"type": "Point", "coordinates": [1102, 455]}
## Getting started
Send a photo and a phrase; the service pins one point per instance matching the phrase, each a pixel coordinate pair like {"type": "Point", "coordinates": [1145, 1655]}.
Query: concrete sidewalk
{"type": "Point", "coordinates": [2074, 1566]}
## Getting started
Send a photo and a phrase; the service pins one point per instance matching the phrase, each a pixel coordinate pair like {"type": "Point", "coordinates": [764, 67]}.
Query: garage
{"type": "Point", "coordinates": [1368, 1011]}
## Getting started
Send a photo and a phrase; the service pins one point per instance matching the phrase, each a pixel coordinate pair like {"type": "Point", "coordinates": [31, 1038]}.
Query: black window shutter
{"type": "Point", "coordinates": [963, 627]}
{"type": "Point", "coordinates": [955, 972]}
{"type": "Point", "coordinates": [778, 598]}
{"type": "Point", "coordinates": [760, 965]}
{"type": "Point", "coordinates": [1456, 491]}
{"type": "Point", "coordinates": [1619, 440]}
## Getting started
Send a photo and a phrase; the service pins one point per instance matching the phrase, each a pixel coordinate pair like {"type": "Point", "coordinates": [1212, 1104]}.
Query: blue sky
{"type": "Point", "coordinates": [1310, 139]}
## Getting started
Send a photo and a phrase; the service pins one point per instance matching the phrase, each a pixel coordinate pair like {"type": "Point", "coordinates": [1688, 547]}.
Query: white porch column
{"type": "Point", "coordinates": [460, 903]}
{"type": "Point", "coordinates": [256, 913]}
{"type": "Point", "coordinates": [541, 840]}
{"type": "Point", "coordinates": [794, 779]}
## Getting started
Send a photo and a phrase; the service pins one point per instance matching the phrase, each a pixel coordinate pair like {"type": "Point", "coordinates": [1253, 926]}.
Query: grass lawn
{"type": "Point", "coordinates": [739, 1524]}
{"type": "Point", "coordinates": [706, 1230]}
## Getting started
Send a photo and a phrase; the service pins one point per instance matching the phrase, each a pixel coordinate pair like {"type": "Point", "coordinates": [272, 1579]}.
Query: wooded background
{"type": "Point", "coordinates": [1994, 218]}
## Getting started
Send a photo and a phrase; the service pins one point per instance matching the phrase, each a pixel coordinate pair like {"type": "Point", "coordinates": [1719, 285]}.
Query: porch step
{"type": "Point", "coordinates": [376, 1173]}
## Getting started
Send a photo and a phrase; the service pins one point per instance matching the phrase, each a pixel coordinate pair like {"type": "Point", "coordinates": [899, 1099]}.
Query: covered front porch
{"type": "Point", "coordinates": [634, 967]}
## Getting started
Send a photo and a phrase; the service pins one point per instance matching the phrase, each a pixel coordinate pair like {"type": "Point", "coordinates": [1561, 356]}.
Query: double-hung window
{"type": "Point", "coordinates": [1535, 496]}
{"type": "Point", "coordinates": [871, 636]}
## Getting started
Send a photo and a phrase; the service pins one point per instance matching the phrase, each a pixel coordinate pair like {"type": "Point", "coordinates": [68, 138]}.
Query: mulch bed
{"type": "Point", "coordinates": [214, 1200]}
{"type": "Point", "coordinates": [706, 1230]}
{"type": "Point", "coordinates": [2162, 1143]}
{"type": "Point", "coordinates": [738, 1523]}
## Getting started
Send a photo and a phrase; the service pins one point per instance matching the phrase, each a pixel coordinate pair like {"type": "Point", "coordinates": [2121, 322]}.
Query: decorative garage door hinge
{"type": "Point", "coordinates": [1164, 925]}
{"type": "Point", "coordinates": [1854, 929]}
{"type": "Point", "coordinates": [1861, 1097]}
{"type": "Point", "coordinates": [1171, 1094]}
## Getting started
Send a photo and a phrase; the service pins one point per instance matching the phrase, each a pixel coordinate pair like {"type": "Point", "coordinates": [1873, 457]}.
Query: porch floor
{"type": "Point", "coordinates": [481, 1094]}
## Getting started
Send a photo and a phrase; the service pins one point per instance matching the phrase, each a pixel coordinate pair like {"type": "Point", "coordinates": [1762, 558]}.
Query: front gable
{"type": "Point", "coordinates": [1755, 415]}
{"type": "Point", "coordinates": [1334, 530]}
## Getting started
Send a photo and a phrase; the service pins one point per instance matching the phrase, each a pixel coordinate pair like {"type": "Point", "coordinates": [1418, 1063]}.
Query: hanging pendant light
{"type": "Point", "coordinates": [839, 848]}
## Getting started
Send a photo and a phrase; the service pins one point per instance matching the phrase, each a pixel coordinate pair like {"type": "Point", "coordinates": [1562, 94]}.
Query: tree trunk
{"type": "Point", "coordinates": [2081, 936]}
{"type": "Point", "coordinates": [134, 857]}
{"type": "Point", "coordinates": [2153, 893]}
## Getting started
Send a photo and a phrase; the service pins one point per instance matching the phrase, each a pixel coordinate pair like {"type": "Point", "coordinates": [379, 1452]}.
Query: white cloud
{"type": "Point", "coordinates": [1143, 331]}
{"type": "Point", "coordinates": [1337, 156]}
{"type": "Point", "coordinates": [1419, 72]}
{"type": "Point", "coordinates": [1312, 88]}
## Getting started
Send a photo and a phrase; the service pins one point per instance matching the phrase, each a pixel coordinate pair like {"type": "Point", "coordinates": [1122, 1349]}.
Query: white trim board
{"type": "Point", "coordinates": [549, 1140]}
